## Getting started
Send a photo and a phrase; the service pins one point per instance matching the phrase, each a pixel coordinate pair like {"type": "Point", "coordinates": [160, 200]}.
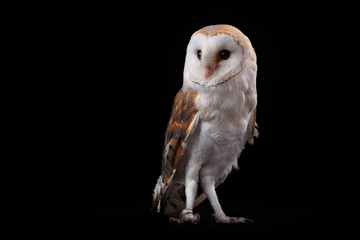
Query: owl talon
{"type": "Point", "coordinates": [174, 220]}
{"type": "Point", "coordinates": [190, 218]}
{"type": "Point", "coordinates": [230, 220]}
{"type": "Point", "coordinates": [186, 218]}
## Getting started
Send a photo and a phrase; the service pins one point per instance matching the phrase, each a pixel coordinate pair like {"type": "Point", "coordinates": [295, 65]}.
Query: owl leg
{"type": "Point", "coordinates": [208, 186]}
{"type": "Point", "coordinates": [191, 186]}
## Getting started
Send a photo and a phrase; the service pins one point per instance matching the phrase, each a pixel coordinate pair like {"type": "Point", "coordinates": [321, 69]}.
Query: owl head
{"type": "Point", "coordinates": [217, 53]}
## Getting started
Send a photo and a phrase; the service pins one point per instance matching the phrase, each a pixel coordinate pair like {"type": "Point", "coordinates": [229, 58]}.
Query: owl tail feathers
{"type": "Point", "coordinates": [159, 185]}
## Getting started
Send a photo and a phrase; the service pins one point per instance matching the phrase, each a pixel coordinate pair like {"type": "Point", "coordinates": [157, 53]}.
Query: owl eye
{"type": "Point", "coordinates": [224, 54]}
{"type": "Point", "coordinates": [199, 54]}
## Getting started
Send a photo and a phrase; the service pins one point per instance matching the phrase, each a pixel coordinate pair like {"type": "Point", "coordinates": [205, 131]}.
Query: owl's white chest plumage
{"type": "Point", "coordinates": [221, 133]}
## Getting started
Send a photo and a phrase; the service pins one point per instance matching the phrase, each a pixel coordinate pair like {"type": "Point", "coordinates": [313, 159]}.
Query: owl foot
{"type": "Point", "coordinates": [230, 220]}
{"type": "Point", "coordinates": [186, 217]}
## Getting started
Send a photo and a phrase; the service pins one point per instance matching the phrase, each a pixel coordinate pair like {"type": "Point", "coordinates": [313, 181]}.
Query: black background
{"type": "Point", "coordinates": [127, 66]}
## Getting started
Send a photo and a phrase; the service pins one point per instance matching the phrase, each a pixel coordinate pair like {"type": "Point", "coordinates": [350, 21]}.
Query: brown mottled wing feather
{"type": "Point", "coordinates": [252, 128]}
{"type": "Point", "coordinates": [183, 121]}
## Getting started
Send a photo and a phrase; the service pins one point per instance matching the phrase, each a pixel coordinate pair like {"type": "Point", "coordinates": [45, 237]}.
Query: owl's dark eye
{"type": "Point", "coordinates": [199, 54]}
{"type": "Point", "coordinates": [224, 54]}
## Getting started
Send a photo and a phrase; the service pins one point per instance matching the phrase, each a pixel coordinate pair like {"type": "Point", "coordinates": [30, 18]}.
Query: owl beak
{"type": "Point", "coordinates": [209, 70]}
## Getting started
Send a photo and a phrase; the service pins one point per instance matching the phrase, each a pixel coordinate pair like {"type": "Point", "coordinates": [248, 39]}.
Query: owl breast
{"type": "Point", "coordinates": [221, 132]}
{"type": "Point", "coordinates": [223, 135]}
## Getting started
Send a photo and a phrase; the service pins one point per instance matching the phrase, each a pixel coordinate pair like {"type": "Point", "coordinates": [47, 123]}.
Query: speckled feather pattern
{"type": "Point", "coordinates": [179, 128]}
{"type": "Point", "coordinates": [182, 115]}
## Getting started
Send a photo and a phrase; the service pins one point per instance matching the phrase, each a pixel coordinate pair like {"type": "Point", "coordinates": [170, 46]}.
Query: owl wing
{"type": "Point", "coordinates": [252, 129]}
{"type": "Point", "coordinates": [183, 121]}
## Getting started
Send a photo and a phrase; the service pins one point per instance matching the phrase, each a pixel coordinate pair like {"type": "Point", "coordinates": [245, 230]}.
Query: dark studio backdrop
{"type": "Point", "coordinates": [127, 66]}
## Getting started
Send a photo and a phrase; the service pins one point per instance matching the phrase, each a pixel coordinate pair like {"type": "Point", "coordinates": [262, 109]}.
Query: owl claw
{"type": "Point", "coordinates": [230, 220]}
{"type": "Point", "coordinates": [186, 218]}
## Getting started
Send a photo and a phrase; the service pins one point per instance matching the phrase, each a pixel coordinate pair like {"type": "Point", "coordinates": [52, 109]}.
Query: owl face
{"type": "Point", "coordinates": [215, 54]}
{"type": "Point", "coordinates": [213, 60]}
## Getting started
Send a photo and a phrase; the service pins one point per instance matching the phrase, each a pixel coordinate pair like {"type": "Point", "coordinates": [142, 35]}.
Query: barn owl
{"type": "Point", "coordinates": [213, 116]}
